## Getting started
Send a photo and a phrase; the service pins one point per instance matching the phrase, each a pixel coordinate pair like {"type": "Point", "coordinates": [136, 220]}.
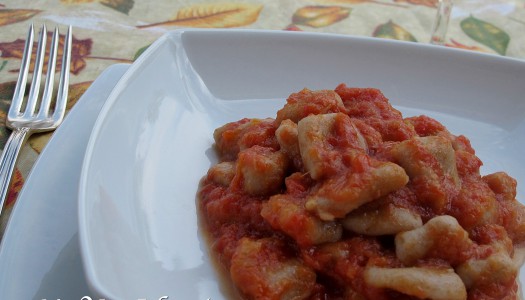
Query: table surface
{"type": "Point", "coordinates": [117, 31]}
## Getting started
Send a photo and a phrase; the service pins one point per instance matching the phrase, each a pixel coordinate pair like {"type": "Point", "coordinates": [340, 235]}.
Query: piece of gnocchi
{"type": "Point", "coordinates": [307, 102]}
{"type": "Point", "coordinates": [288, 214]}
{"type": "Point", "coordinates": [511, 212]}
{"type": "Point", "coordinates": [498, 267]}
{"type": "Point", "coordinates": [338, 196]}
{"type": "Point", "coordinates": [222, 173]}
{"type": "Point", "coordinates": [261, 170]}
{"type": "Point", "coordinates": [261, 270]}
{"type": "Point", "coordinates": [288, 140]}
{"type": "Point", "coordinates": [440, 237]}
{"type": "Point", "coordinates": [323, 139]}
{"type": "Point", "coordinates": [420, 282]}
{"type": "Point", "coordinates": [382, 220]}
{"type": "Point", "coordinates": [430, 162]}
{"type": "Point", "coordinates": [245, 133]}
{"type": "Point", "coordinates": [502, 185]}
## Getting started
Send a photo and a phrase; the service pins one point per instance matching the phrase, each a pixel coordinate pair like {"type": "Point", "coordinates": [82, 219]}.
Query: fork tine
{"type": "Point", "coordinates": [18, 95]}
{"type": "Point", "coordinates": [63, 84]}
{"type": "Point", "coordinates": [26, 123]}
{"type": "Point", "coordinates": [37, 73]}
{"type": "Point", "coordinates": [50, 76]}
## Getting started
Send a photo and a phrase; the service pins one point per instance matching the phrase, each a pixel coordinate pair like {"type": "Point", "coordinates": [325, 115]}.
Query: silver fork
{"type": "Point", "coordinates": [28, 120]}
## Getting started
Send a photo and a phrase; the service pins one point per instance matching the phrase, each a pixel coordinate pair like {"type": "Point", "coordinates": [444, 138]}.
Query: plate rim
{"type": "Point", "coordinates": [91, 275]}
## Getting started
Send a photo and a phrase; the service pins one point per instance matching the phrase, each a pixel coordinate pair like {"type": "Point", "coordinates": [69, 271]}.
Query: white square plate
{"type": "Point", "coordinates": [152, 142]}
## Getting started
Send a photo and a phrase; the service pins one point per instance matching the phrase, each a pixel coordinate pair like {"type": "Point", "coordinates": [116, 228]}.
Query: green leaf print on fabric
{"type": "Point", "coordinates": [486, 34]}
{"type": "Point", "coordinates": [391, 30]}
{"type": "Point", "coordinates": [124, 6]}
{"type": "Point", "coordinates": [140, 51]}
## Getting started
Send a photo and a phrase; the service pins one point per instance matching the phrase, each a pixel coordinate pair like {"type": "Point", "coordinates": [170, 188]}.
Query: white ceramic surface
{"type": "Point", "coordinates": [40, 253]}
{"type": "Point", "coordinates": [152, 142]}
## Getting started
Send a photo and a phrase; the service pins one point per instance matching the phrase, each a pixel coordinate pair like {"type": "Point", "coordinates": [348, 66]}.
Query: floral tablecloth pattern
{"type": "Point", "coordinates": [118, 31]}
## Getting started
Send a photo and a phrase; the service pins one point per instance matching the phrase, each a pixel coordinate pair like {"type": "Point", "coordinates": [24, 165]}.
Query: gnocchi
{"type": "Point", "coordinates": [340, 196]}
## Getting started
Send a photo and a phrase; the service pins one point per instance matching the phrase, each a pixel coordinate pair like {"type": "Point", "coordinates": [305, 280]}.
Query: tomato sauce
{"type": "Point", "coordinates": [275, 241]}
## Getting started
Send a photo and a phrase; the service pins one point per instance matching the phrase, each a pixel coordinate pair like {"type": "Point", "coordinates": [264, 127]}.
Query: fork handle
{"type": "Point", "coordinates": [8, 160]}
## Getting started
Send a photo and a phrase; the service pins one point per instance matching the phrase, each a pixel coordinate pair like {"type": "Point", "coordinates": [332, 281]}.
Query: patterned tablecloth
{"type": "Point", "coordinates": [117, 31]}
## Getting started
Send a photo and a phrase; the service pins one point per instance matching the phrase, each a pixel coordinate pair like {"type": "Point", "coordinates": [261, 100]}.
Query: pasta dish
{"type": "Point", "coordinates": [341, 197]}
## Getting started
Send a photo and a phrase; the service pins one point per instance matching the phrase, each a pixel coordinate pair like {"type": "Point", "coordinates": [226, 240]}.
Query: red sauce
{"type": "Point", "coordinates": [485, 207]}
